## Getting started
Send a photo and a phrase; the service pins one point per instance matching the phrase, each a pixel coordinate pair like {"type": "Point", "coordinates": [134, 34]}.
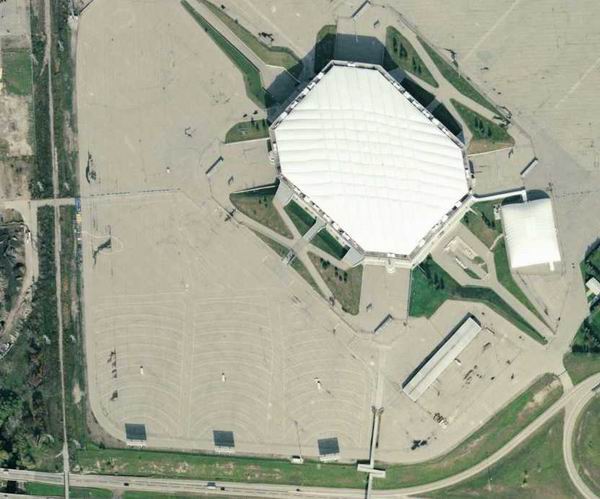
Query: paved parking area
{"type": "Point", "coordinates": [192, 323]}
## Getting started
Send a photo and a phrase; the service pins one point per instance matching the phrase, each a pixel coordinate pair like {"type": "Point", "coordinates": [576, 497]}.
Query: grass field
{"type": "Point", "coordinates": [480, 221]}
{"type": "Point", "coordinates": [247, 130]}
{"type": "Point", "coordinates": [131, 494]}
{"type": "Point", "coordinates": [494, 434]}
{"type": "Point", "coordinates": [205, 467]}
{"type": "Point", "coordinates": [586, 445]}
{"type": "Point", "coordinates": [431, 286]}
{"type": "Point", "coordinates": [250, 73]}
{"type": "Point", "coordinates": [16, 71]}
{"type": "Point", "coordinates": [258, 205]}
{"type": "Point", "coordinates": [299, 216]}
{"type": "Point", "coordinates": [423, 96]}
{"type": "Point", "coordinates": [462, 84]}
{"type": "Point", "coordinates": [40, 184]}
{"type": "Point", "coordinates": [581, 365]}
{"type": "Point", "coordinates": [329, 244]}
{"type": "Point", "coordinates": [272, 55]}
{"type": "Point", "coordinates": [504, 276]}
{"type": "Point", "coordinates": [533, 470]}
{"type": "Point", "coordinates": [74, 357]}
{"type": "Point", "coordinates": [324, 46]}
{"type": "Point", "coordinates": [400, 53]}
{"type": "Point", "coordinates": [442, 114]}
{"type": "Point", "coordinates": [487, 135]}
{"type": "Point", "coordinates": [44, 489]}
{"type": "Point", "coordinates": [344, 285]}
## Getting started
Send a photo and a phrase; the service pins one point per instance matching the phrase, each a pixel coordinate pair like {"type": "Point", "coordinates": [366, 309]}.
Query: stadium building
{"type": "Point", "coordinates": [358, 152]}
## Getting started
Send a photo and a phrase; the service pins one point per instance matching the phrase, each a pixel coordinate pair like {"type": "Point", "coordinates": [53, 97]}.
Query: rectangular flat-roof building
{"type": "Point", "coordinates": [441, 358]}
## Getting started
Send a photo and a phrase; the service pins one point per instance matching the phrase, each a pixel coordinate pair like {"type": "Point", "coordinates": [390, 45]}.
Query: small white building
{"type": "Point", "coordinates": [593, 286]}
{"type": "Point", "coordinates": [530, 233]}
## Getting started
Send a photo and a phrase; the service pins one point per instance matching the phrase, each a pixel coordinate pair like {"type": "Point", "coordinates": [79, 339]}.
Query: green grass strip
{"type": "Point", "coordinates": [258, 205]}
{"type": "Point", "coordinates": [487, 135]}
{"type": "Point", "coordinates": [209, 467]}
{"type": "Point", "coordinates": [250, 72]}
{"type": "Point", "coordinates": [400, 53]}
{"type": "Point", "coordinates": [272, 55]}
{"type": "Point", "coordinates": [300, 217]}
{"type": "Point", "coordinates": [462, 84]}
{"type": "Point", "coordinates": [431, 286]}
{"type": "Point", "coordinates": [247, 130]}
{"type": "Point", "coordinates": [16, 71]}
{"type": "Point", "coordinates": [329, 244]}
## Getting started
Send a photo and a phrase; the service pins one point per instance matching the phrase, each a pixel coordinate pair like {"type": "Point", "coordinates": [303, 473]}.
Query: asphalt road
{"type": "Point", "coordinates": [573, 400]}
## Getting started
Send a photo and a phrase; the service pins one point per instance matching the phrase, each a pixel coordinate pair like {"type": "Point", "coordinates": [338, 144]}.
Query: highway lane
{"type": "Point", "coordinates": [575, 398]}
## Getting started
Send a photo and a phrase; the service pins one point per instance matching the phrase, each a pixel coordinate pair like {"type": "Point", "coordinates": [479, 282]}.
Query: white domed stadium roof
{"type": "Point", "coordinates": [368, 157]}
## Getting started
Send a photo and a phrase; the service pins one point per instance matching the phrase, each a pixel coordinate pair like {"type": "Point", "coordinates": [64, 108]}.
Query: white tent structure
{"type": "Point", "coordinates": [362, 150]}
{"type": "Point", "coordinates": [530, 234]}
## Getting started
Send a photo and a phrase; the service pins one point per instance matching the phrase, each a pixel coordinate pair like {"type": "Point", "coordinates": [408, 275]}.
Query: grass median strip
{"type": "Point", "coordinates": [431, 286]}
{"type": "Point", "coordinates": [400, 53]}
{"type": "Point", "coordinates": [535, 469]}
{"type": "Point", "coordinates": [250, 72]}
{"type": "Point", "coordinates": [481, 221]}
{"type": "Point", "coordinates": [45, 489]}
{"type": "Point", "coordinates": [300, 217]}
{"type": "Point", "coordinates": [329, 244]}
{"type": "Point", "coordinates": [345, 285]}
{"type": "Point", "coordinates": [492, 436]}
{"type": "Point", "coordinates": [269, 54]}
{"type": "Point", "coordinates": [208, 467]}
{"type": "Point", "coordinates": [258, 205]}
{"type": "Point", "coordinates": [487, 135]}
{"type": "Point", "coordinates": [462, 84]}
{"type": "Point", "coordinates": [505, 278]}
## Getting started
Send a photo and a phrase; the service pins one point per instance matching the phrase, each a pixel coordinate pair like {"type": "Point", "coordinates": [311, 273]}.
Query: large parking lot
{"type": "Point", "coordinates": [192, 324]}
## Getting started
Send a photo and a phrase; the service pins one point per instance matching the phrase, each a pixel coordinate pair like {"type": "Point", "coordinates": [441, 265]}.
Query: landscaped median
{"type": "Point", "coordinates": [401, 53]}
{"type": "Point", "coordinates": [250, 72]}
{"type": "Point", "coordinates": [487, 136]}
{"type": "Point", "coordinates": [269, 54]}
{"type": "Point", "coordinates": [247, 130]}
{"type": "Point", "coordinates": [258, 205]}
{"type": "Point", "coordinates": [450, 73]}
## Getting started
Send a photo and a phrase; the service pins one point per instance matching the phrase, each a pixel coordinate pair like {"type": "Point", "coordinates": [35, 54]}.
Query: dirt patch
{"type": "Point", "coordinates": [539, 398]}
{"type": "Point", "coordinates": [15, 123]}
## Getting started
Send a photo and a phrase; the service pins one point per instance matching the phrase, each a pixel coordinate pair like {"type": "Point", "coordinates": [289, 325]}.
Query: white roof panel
{"type": "Point", "coordinates": [530, 233]}
{"type": "Point", "coordinates": [363, 153]}
{"type": "Point", "coordinates": [441, 359]}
